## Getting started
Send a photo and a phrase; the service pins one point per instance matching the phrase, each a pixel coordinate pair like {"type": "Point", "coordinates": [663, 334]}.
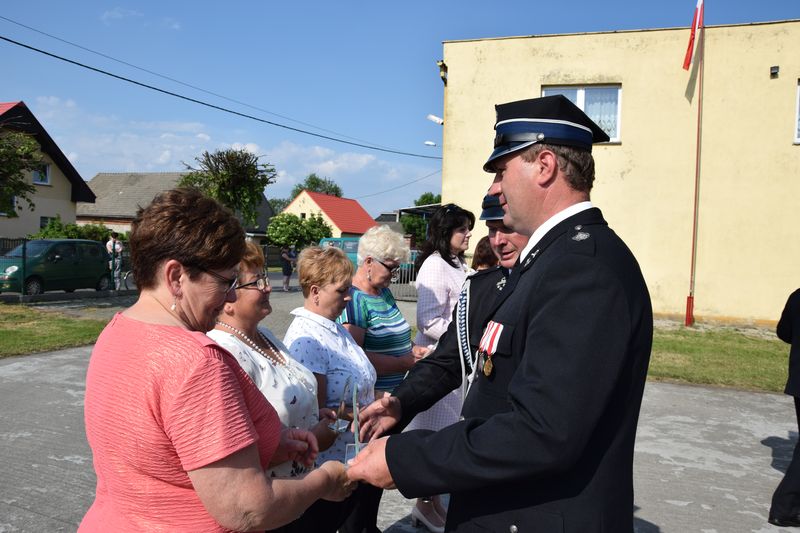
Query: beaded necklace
{"type": "Point", "coordinates": [275, 357]}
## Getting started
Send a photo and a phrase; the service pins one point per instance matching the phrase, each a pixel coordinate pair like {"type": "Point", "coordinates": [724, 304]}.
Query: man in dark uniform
{"type": "Point", "coordinates": [452, 364]}
{"type": "Point", "coordinates": [547, 442]}
{"type": "Point", "coordinates": [785, 509]}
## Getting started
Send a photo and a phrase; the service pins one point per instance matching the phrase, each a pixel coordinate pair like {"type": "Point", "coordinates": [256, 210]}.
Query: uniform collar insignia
{"type": "Point", "coordinates": [501, 283]}
{"type": "Point", "coordinates": [580, 236]}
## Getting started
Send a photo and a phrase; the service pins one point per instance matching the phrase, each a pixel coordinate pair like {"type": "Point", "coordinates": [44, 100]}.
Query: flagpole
{"type": "Point", "coordinates": [698, 151]}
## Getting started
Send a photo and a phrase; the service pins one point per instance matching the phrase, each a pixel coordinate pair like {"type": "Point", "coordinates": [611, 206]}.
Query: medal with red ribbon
{"type": "Point", "coordinates": [488, 345]}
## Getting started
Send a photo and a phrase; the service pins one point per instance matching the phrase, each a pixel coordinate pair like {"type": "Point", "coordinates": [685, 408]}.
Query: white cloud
{"type": "Point", "coordinates": [253, 148]}
{"type": "Point", "coordinates": [118, 13]}
{"type": "Point", "coordinates": [171, 23]}
{"type": "Point", "coordinates": [164, 158]}
{"type": "Point", "coordinates": [203, 137]}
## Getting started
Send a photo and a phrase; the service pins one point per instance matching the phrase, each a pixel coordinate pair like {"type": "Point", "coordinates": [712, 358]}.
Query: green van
{"type": "Point", "coordinates": [348, 245]}
{"type": "Point", "coordinates": [56, 264]}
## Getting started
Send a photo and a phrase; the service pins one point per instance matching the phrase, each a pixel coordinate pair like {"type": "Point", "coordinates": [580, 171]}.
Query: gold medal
{"type": "Point", "coordinates": [488, 366]}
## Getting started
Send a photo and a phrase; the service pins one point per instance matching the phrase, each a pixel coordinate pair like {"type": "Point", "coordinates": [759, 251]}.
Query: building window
{"type": "Point", "coordinates": [42, 176]}
{"type": "Point", "coordinates": [600, 102]}
{"type": "Point", "coordinates": [302, 216]}
{"type": "Point", "coordinates": [6, 209]}
{"type": "Point", "coordinates": [797, 116]}
{"type": "Point", "coordinates": [44, 221]}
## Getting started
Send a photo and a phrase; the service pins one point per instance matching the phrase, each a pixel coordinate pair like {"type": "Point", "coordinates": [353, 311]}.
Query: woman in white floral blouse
{"type": "Point", "coordinates": [327, 349]}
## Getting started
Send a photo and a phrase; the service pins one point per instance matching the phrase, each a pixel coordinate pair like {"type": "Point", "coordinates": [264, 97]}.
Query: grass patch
{"type": "Point", "coordinates": [722, 357]}
{"type": "Point", "coordinates": [24, 330]}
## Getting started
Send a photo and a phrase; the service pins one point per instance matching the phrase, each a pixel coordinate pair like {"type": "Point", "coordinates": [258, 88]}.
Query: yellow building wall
{"type": "Point", "coordinates": [748, 245]}
{"type": "Point", "coordinates": [304, 205]}
{"type": "Point", "coordinates": [50, 201]}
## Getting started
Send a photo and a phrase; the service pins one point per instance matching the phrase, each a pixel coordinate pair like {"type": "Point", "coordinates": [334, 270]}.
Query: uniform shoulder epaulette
{"type": "Point", "coordinates": [580, 240]}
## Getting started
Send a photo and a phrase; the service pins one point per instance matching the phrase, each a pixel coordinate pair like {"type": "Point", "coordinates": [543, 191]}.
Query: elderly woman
{"type": "Point", "coordinates": [290, 388]}
{"type": "Point", "coordinates": [440, 275]}
{"type": "Point", "coordinates": [180, 435]}
{"type": "Point", "coordinates": [326, 348]}
{"type": "Point", "coordinates": [372, 316]}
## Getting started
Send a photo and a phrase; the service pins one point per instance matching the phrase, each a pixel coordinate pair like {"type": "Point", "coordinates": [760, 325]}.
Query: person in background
{"type": "Point", "coordinates": [483, 257]}
{"type": "Point", "coordinates": [288, 386]}
{"type": "Point", "coordinates": [440, 275]}
{"type": "Point", "coordinates": [180, 435]}
{"type": "Point", "coordinates": [375, 322]}
{"type": "Point", "coordinates": [550, 419]}
{"type": "Point", "coordinates": [114, 248]}
{"type": "Point", "coordinates": [785, 508]}
{"type": "Point", "coordinates": [339, 364]}
{"type": "Point", "coordinates": [287, 266]}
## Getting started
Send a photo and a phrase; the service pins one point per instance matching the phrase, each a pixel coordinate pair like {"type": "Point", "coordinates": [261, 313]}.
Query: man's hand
{"type": "Point", "coordinates": [296, 445]}
{"type": "Point", "coordinates": [420, 352]}
{"type": "Point", "coordinates": [370, 465]}
{"type": "Point", "coordinates": [379, 417]}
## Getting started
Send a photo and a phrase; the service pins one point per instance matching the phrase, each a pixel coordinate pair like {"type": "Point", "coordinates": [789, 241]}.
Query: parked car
{"type": "Point", "coordinates": [347, 244]}
{"type": "Point", "coordinates": [56, 264]}
{"type": "Point", "coordinates": [406, 274]}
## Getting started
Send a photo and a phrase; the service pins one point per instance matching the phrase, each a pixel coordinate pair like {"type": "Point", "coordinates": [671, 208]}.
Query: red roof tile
{"type": "Point", "coordinates": [347, 214]}
{"type": "Point", "coordinates": [5, 106]}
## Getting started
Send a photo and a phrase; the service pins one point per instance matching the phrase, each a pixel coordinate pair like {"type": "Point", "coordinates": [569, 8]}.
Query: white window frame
{"type": "Point", "coordinates": [797, 115]}
{"type": "Point", "coordinates": [37, 175]}
{"type": "Point", "coordinates": [46, 221]}
{"type": "Point", "coordinates": [581, 96]}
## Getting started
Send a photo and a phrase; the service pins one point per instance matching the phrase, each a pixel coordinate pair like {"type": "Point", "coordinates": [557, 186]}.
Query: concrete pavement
{"type": "Point", "coordinates": [707, 459]}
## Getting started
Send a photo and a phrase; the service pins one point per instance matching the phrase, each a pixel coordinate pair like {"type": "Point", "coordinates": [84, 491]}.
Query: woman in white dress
{"type": "Point", "coordinates": [441, 271]}
{"type": "Point", "coordinates": [287, 385]}
{"type": "Point", "coordinates": [326, 348]}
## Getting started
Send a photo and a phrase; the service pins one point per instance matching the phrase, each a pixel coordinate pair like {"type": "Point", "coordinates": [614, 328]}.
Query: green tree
{"type": "Point", "coordinates": [416, 225]}
{"type": "Point", "coordinates": [314, 183]}
{"type": "Point", "coordinates": [285, 229]}
{"type": "Point", "coordinates": [314, 229]}
{"type": "Point", "coordinates": [278, 204]}
{"type": "Point", "coordinates": [19, 153]}
{"type": "Point", "coordinates": [56, 229]}
{"type": "Point", "coordinates": [233, 177]}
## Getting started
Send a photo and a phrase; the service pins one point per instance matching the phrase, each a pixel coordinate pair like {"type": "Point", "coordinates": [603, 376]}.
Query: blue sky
{"type": "Point", "coordinates": [362, 71]}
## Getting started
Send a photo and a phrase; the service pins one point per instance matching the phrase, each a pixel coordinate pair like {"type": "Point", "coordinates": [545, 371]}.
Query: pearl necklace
{"type": "Point", "coordinates": [275, 358]}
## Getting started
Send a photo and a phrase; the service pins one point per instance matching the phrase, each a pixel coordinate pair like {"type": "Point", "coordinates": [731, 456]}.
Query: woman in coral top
{"type": "Point", "coordinates": [181, 437]}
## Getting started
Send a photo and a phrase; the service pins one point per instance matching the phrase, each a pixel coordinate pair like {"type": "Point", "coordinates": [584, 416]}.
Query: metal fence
{"type": "Point", "coordinates": [6, 244]}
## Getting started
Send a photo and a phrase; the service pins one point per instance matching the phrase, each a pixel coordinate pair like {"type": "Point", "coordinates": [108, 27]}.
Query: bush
{"type": "Point", "coordinates": [55, 229]}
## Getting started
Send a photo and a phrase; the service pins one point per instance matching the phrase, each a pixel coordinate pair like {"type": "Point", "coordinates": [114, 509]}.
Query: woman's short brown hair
{"type": "Point", "coordinates": [253, 258]}
{"type": "Point", "coordinates": [321, 266]}
{"type": "Point", "coordinates": [484, 255]}
{"type": "Point", "coordinates": [185, 225]}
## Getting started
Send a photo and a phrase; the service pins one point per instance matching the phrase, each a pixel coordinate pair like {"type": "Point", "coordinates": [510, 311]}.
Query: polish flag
{"type": "Point", "coordinates": [697, 23]}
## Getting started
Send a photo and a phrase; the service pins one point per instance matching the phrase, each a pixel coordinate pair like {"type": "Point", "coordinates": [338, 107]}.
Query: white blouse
{"type": "Point", "coordinates": [438, 287]}
{"type": "Point", "coordinates": [328, 349]}
{"type": "Point", "coordinates": [291, 388]}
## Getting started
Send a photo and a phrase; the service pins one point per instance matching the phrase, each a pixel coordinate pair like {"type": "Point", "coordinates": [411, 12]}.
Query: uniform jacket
{"type": "Point", "coordinates": [442, 371]}
{"type": "Point", "coordinates": [547, 443]}
{"type": "Point", "coordinates": [789, 331]}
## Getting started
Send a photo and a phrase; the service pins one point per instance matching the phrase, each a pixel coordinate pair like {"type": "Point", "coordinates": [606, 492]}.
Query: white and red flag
{"type": "Point", "coordinates": [697, 23]}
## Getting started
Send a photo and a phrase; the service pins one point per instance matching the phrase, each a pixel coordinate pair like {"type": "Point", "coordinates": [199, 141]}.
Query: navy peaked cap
{"type": "Point", "coordinates": [491, 209]}
{"type": "Point", "coordinates": [549, 119]}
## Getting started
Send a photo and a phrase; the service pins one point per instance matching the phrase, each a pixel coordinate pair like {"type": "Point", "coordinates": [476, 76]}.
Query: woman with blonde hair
{"type": "Point", "coordinates": [326, 348]}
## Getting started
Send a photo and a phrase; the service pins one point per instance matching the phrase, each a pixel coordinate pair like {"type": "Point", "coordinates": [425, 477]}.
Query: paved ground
{"type": "Point", "coordinates": [707, 460]}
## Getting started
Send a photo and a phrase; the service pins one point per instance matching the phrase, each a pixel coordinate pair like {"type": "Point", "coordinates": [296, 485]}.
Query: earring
{"type": "Point", "coordinates": [174, 303]}
{"type": "Point", "coordinates": [369, 274]}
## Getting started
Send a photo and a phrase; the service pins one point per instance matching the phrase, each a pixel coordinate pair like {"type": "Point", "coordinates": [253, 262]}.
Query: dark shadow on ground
{"type": "Point", "coordinates": [782, 449]}
{"type": "Point", "coordinates": [643, 526]}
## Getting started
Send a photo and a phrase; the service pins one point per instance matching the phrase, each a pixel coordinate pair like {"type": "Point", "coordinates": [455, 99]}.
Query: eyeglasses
{"type": "Point", "coordinates": [260, 283]}
{"type": "Point", "coordinates": [230, 284]}
{"type": "Point", "coordinates": [392, 270]}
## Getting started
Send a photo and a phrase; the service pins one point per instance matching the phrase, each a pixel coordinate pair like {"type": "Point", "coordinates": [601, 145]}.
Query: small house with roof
{"type": "Point", "coordinates": [345, 216]}
{"type": "Point", "coordinates": [59, 187]}
{"type": "Point", "coordinates": [120, 194]}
